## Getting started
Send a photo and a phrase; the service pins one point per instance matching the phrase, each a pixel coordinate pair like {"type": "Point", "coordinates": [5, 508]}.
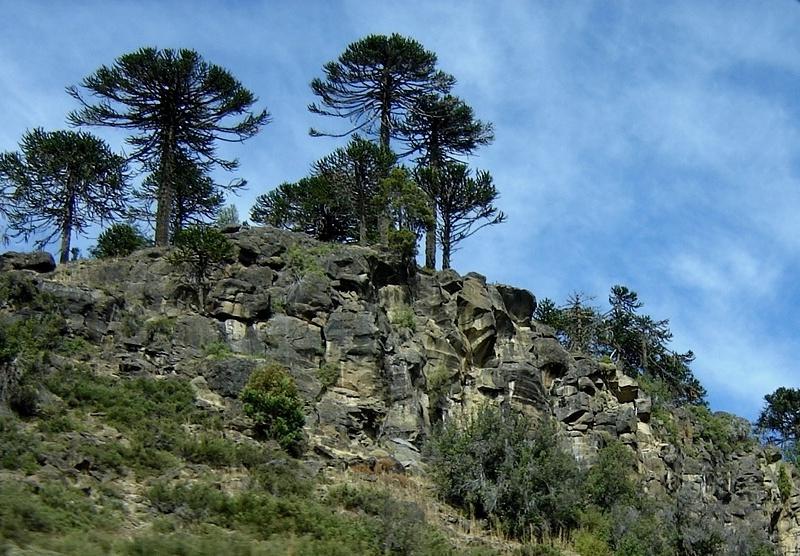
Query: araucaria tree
{"type": "Point", "coordinates": [376, 82]}
{"type": "Point", "coordinates": [59, 183]}
{"type": "Point", "coordinates": [441, 129]}
{"type": "Point", "coordinates": [179, 105]}
{"type": "Point", "coordinates": [465, 203]}
{"type": "Point", "coordinates": [779, 421]}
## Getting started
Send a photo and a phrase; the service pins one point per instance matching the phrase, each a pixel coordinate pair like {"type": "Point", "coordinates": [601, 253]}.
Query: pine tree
{"type": "Point", "coordinates": [465, 203]}
{"type": "Point", "coordinates": [179, 105]}
{"type": "Point", "coordinates": [441, 129]}
{"type": "Point", "coordinates": [375, 83]}
{"type": "Point", "coordinates": [59, 183]}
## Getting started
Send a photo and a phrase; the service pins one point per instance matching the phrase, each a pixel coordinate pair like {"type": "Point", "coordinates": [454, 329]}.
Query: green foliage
{"type": "Point", "coordinates": [49, 508]}
{"type": "Point", "coordinates": [119, 240]}
{"type": "Point", "coordinates": [227, 216]}
{"type": "Point", "coordinates": [438, 382]}
{"type": "Point", "coordinates": [64, 182]}
{"type": "Point", "coordinates": [538, 550]}
{"type": "Point", "coordinates": [779, 421]}
{"type": "Point", "coordinates": [217, 350]}
{"type": "Point", "coordinates": [720, 429]}
{"type": "Point", "coordinates": [636, 343]}
{"type": "Point", "coordinates": [149, 411]}
{"type": "Point", "coordinates": [181, 106]}
{"type": "Point", "coordinates": [328, 374]}
{"type": "Point", "coordinates": [785, 485]}
{"type": "Point", "coordinates": [376, 81]}
{"type": "Point", "coordinates": [305, 260]}
{"type": "Point", "coordinates": [18, 447]}
{"type": "Point", "coordinates": [314, 206]}
{"type": "Point", "coordinates": [403, 317]}
{"type": "Point", "coordinates": [465, 204]}
{"type": "Point", "coordinates": [497, 465]}
{"type": "Point", "coordinates": [587, 544]}
{"type": "Point", "coordinates": [200, 250]}
{"type": "Point", "coordinates": [612, 480]}
{"type": "Point", "coordinates": [271, 400]}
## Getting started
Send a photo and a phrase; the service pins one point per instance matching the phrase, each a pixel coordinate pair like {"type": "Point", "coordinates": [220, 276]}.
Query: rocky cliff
{"type": "Point", "coordinates": [382, 352]}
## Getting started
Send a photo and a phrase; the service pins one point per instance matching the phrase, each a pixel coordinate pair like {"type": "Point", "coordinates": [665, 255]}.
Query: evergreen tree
{"type": "Point", "coordinates": [59, 183]}
{"type": "Point", "coordinates": [465, 203]}
{"type": "Point", "coordinates": [356, 172]}
{"type": "Point", "coordinates": [440, 129]}
{"type": "Point", "coordinates": [179, 104]}
{"type": "Point", "coordinates": [375, 82]}
{"type": "Point", "coordinates": [779, 421]}
{"type": "Point", "coordinates": [313, 205]}
{"type": "Point", "coordinates": [197, 198]}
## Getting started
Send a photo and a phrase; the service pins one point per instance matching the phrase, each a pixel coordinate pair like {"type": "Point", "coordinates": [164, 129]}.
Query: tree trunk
{"type": "Point", "coordinates": [362, 230]}
{"type": "Point", "coordinates": [166, 193]}
{"type": "Point", "coordinates": [66, 226]}
{"type": "Point", "coordinates": [446, 241]}
{"type": "Point", "coordinates": [430, 240]}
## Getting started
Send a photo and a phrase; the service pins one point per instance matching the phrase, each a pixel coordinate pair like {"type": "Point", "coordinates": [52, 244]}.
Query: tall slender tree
{"type": "Point", "coordinates": [466, 203]}
{"type": "Point", "coordinates": [375, 82]}
{"type": "Point", "coordinates": [440, 129]}
{"type": "Point", "coordinates": [60, 182]}
{"type": "Point", "coordinates": [178, 104]}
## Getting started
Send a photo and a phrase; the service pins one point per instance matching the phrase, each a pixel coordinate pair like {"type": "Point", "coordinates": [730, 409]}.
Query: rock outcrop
{"type": "Point", "coordinates": [405, 351]}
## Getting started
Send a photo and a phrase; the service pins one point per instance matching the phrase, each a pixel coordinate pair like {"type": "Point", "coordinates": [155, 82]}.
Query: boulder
{"type": "Point", "coordinates": [37, 261]}
{"type": "Point", "coordinates": [519, 303]}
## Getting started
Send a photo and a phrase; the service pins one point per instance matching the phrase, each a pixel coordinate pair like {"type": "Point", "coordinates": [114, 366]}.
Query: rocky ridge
{"type": "Point", "coordinates": [382, 353]}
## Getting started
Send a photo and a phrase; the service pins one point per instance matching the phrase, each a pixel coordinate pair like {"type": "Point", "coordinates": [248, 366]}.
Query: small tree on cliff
{"type": "Point", "coordinates": [465, 203]}
{"type": "Point", "coordinates": [440, 129]}
{"type": "Point", "coordinates": [779, 421]}
{"type": "Point", "coordinates": [59, 183]}
{"type": "Point", "coordinates": [181, 106]}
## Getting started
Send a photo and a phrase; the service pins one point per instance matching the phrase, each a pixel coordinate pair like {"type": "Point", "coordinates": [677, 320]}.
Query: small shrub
{"type": "Point", "coordinates": [271, 400]}
{"type": "Point", "coordinates": [217, 350]}
{"type": "Point", "coordinates": [587, 544]}
{"type": "Point", "coordinates": [18, 448]}
{"type": "Point", "coordinates": [498, 466]}
{"type": "Point", "coordinates": [200, 250]}
{"type": "Point", "coordinates": [403, 317]}
{"type": "Point", "coordinates": [328, 374]}
{"type": "Point", "coordinates": [438, 384]}
{"type": "Point", "coordinates": [119, 240]}
{"type": "Point", "coordinates": [538, 550]}
{"type": "Point", "coordinates": [784, 484]}
{"type": "Point", "coordinates": [306, 260]}
{"type": "Point", "coordinates": [611, 480]}
{"type": "Point", "coordinates": [159, 327]}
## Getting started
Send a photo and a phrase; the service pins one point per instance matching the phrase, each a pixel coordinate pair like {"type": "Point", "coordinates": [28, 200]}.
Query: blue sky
{"type": "Point", "coordinates": [652, 144]}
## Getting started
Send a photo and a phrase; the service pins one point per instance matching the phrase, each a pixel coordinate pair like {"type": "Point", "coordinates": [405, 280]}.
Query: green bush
{"type": "Point", "coordinates": [784, 484]}
{"type": "Point", "coordinates": [328, 374]}
{"type": "Point", "coordinates": [497, 465]}
{"type": "Point", "coordinates": [271, 400]}
{"type": "Point", "coordinates": [119, 240]}
{"type": "Point", "coordinates": [588, 544]}
{"type": "Point", "coordinates": [217, 350]}
{"type": "Point", "coordinates": [403, 317]}
{"type": "Point", "coordinates": [612, 479]}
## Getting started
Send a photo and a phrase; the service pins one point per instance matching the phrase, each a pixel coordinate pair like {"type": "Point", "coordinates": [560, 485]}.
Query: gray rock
{"type": "Point", "coordinates": [37, 261]}
{"type": "Point", "coordinates": [519, 303]}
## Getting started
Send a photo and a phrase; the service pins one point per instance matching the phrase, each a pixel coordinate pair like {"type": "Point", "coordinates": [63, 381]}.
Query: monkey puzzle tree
{"type": "Point", "coordinates": [375, 82]}
{"type": "Point", "coordinates": [197, 198]}
{"type": "Point", "coordinates": [356, 172]}
{"type": "Point", "coordinates": [179, 104]}
{"type": "Point", "coordinates": [779, 421]}
{"type": "Point", "coordinates": [59, 183]}
{"type": "Point", "coordinates": [465, 203]}
{"type": "Point", "coordinates": [439, 129]}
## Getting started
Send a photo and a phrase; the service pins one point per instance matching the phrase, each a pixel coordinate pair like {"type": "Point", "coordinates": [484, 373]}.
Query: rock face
{"type": "Point", "coordinates": [406, 351]}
